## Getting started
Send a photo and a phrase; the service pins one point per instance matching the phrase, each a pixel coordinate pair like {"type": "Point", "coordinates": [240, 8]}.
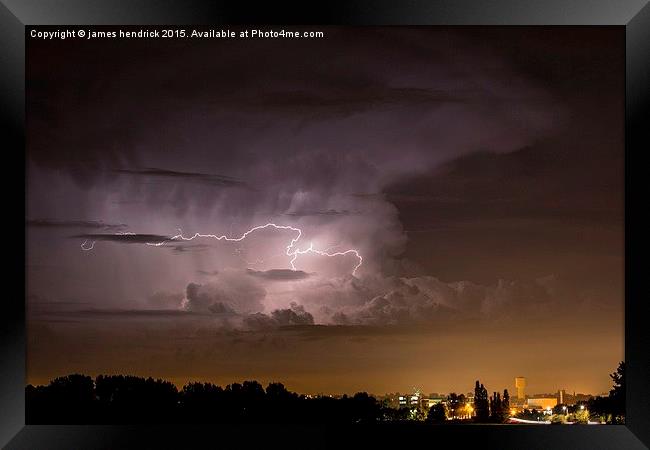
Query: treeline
{"type": "Point", "coordinates": [495, 409]}
{"type": "Point", "coordinates": [118, 399]}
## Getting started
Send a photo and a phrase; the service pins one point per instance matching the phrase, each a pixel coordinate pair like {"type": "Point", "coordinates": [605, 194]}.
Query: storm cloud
{"type": "Point", "coordinates": [229, 291]}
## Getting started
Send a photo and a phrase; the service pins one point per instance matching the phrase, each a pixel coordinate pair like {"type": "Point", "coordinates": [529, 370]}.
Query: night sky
{"type": "Point", "coordinates": [477, 171]}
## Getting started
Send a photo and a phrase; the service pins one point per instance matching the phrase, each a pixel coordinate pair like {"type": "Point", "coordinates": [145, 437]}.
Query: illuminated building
{"type": "Point", "coordinates": [542, 403]}
{"type": "Point", "coordinates": [520, 386]}
{"type": "Point", "coordinates": [414, 399]}
{"type": "Point", "coordinates": [410, 401]}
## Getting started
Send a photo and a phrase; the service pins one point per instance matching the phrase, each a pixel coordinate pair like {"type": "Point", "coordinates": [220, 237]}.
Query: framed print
{"type": "Point", "coordinates": [355, 226]}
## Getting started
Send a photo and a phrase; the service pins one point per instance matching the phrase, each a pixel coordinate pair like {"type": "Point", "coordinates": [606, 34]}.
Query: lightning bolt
{"type": "Point", "coordinates": [292, 249]}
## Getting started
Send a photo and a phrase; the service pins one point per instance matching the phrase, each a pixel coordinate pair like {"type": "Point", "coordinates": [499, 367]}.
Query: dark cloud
{"type": "Point", "coordinates": [197, 300]}
{"type": "Point", "coordinates": [124, 238]}
{"type": "Point", "coordinates": [413, 79]}
{"type": "Point", "coordinates": [215, 180]}
{"type": "Point", "coordinates": [92, 224]}
{"type": "Point", "coordinates": [221, 308]}
{"type": "Point", "coordinates": [295, 315]}
{"type": "Point", "coordinates": [520, 184]}
{"type": "Point", "coordinates": [259, 321]}
{"type": "Point", "coordinates": [279, 274]}
{"type": "Point", "coordinates": [564, 193]}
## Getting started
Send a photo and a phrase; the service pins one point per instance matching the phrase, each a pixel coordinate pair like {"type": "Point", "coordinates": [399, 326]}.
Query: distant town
{"type": "Point", "coordinates": [80, 399]}
{"type": "Point", "coordinates": [521, 407]}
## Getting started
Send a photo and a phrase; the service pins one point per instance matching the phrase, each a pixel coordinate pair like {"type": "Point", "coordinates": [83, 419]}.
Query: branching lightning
{"type": "Point", "coordinates": [292, 249]}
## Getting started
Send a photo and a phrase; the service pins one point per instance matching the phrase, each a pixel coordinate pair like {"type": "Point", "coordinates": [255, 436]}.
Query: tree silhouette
{"type": "Point", "coordinates": [611, 408]}
{"type": "Point", "coordinates": [130, 399]}
{"type": "Point", "coordinates": [499, 407]}
{"type": "Point", "coordinates": [481, 404]}
{"type": "Point", "coordinates": [437, 414]}
{"type": "Point", "coordinates": [198, 402]}
{"type": "Point", "coordinates": [617, 394]}
{"type": "Point", "coordinates": [69, 399]}
{"type": "Point", "coordinates": [365, 408]}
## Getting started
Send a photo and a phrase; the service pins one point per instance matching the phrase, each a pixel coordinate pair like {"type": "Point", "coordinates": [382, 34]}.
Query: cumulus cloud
{"type": "Point", "coordinates": [230, 291]}
{"type": "Point", "coordinates": [259, 321]}
{"type": "Point", "coordinates": [294, 315]}
{"type": "Point", "coordinates": [372, 300]}
{"type": "Point", "coordinates": [421, 300]}
{"type": "Point", "coordinates": [221, 308]}
{"type": "Point", "coordinates": [247, 301]}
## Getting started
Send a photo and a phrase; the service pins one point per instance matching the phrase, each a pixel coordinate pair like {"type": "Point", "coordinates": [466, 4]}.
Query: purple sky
{"type": "Point", "coordinates": [477, 171]}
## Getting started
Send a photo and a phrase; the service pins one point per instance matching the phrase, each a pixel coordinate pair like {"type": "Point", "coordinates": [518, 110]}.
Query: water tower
{"type": "Point", "coordinates": [520, 385]}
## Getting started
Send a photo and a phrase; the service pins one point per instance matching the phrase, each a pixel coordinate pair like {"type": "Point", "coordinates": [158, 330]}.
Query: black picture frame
{"type": "Point", "coordinates": [16, 15]}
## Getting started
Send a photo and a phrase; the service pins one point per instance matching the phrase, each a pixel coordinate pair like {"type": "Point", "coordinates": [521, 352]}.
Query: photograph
{"type": "Point", "coordinates": [421, 225]}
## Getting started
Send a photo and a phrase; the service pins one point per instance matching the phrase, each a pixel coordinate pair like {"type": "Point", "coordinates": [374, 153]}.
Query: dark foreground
{"type": "Point", "coordinates": [128, 400]}
{"type": "Point", "coordinates": [386, 435]}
